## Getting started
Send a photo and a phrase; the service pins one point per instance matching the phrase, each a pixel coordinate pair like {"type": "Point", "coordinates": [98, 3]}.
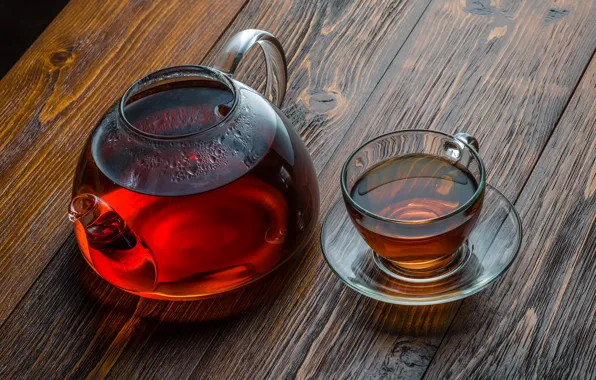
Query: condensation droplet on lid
{"type": "Point", "coordinates": [222, 110]}
{"type": "Point", "coordinates": [300, 220]}
{"type": "Point", "coordinates": [192, 168]}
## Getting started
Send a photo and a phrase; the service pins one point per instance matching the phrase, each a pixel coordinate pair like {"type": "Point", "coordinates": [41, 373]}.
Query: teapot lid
{"type": "Point", "coordinates": [185, 113]}
{"type": "Point", "coordinates": [183, 130]}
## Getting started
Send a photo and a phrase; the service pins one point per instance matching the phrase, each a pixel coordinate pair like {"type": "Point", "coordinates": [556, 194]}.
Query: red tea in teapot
{"type": "Point", "coordinates": [210, 207]}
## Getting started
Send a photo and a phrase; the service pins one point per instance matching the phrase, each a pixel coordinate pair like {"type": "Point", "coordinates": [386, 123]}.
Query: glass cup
{"type": "Point", "coordinates": [411, 248]}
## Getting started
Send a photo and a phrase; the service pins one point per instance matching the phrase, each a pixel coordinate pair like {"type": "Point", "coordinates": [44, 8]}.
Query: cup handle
{"type": "Point", "coordinates": [277, 70]}
{"type": "Point", "coordinates": [468, 139]}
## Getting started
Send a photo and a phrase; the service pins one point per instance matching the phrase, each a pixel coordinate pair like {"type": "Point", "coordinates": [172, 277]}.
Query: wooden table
{"type": "Point", "coordinates": [519, 75]}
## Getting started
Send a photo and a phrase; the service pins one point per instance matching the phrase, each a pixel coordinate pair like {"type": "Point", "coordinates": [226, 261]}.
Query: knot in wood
{"type": "Point", "coordinates": [61, 58]}
{"type": "Point", "coordinates": [322, 102]}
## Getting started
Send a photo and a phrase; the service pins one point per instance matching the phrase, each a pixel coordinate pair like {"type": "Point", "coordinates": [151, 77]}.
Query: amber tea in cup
{"type": "Point", "coordinates": [415, 196]}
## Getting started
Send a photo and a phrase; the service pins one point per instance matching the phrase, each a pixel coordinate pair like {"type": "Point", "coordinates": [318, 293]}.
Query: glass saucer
{"type": "Point", "coordinates": [487, 253]}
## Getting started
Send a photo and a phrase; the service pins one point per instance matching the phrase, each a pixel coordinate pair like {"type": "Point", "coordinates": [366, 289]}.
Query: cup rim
{"type": "Point", "coordinates": [348, 198]}
{"type": "Point", "coordinates": [175, 72]}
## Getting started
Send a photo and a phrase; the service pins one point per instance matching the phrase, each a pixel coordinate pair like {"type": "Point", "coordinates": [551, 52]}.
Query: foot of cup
{"type": "Point", "coordinates": [428, 271]}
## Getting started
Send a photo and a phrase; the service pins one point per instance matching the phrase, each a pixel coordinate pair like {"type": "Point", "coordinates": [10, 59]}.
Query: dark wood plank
{"type": "Point", "coordinates": [502, 73]}
{"type": "Point", "coordinates": [497, 73]}
{"type": "Point", "coordinates": [315, 326]}
{"type": "Point", "coordinates": [317, 37]}
{"type": "Point", "coordinates": [54, 96]}
{"type": "Point", "coordinates": [539, 322]}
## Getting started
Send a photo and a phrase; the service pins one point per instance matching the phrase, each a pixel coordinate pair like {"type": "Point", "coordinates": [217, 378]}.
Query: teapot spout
{"type": "Point", "coordinates": [116, 252]}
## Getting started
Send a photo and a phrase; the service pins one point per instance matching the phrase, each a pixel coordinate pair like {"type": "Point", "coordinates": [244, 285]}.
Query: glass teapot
{"type": "Point", "coordinates": [194, 184]}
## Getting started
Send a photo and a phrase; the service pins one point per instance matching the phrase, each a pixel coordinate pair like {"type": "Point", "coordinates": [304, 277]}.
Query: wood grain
{"type": "Point", "coordinates": [311, 38]}
{"type": "Point", "coordinates": [54, 96]}
{"type": "Point", "coordinates": [539, 322]}
{"type": "Point", "coordinates": [459, 72]}
{"type": "Point", "coordinates": [502, 71]}
{"type": "Point", "coordinates": [74, 324]}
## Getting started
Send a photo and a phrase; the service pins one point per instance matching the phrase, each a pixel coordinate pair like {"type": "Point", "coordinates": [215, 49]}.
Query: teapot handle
{"type": "Point", "coordinates": [277, 70]}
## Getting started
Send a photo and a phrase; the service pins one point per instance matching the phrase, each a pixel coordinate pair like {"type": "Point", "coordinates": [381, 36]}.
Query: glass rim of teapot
{"type": "Point", "coordinates": [169, 75]}
{"type": "Point", "coordinates": [469, 203]}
